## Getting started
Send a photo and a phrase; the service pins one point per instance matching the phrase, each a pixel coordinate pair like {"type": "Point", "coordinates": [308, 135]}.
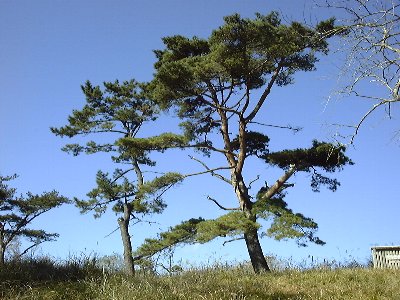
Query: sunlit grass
{"type": "Point", "coordinates": [81, 280]}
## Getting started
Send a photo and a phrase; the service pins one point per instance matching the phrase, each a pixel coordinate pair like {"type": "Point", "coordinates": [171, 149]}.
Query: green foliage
{"type": "Point", "coordinates": [184, 232]}
{"type": "Point", "coordinates": [18, 212]}
{"type": "Point", "coordinates": [118, 113]}
{"type": "Point", "coordinates": [120, 107]}
{"type": "Point", "coordinates": [144, 198]}
{"type": "Point", "coordinates": [158, 184]}
{"type": "Point", "coordinates": [120, 110]}
{"type": "Point", "coordinates": [197, 231]}
{"type": "Point", "coordinates": [231, 224]}
{"type": "Point", "coordinates": [241, 52]}
{"type": "Point", "coordinates": [324, 155]}
{"type": "Point", "coordinates": [139, 146]}
{"type": "Point", "coordinates": [284, 223]}
{"type": "Point", "coordinates": [256, 144]}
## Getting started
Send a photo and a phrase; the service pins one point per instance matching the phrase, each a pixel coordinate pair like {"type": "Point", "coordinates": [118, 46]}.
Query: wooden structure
{"type": "Point", "coordinates": [386, 257]}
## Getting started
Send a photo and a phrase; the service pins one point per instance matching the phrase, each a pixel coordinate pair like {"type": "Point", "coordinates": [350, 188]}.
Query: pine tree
{"type": "Point", "coordinates": [18, 212]}
{"type": "Point", "coordinates": [117, 113]}
{"type": "Point", "coordinates": [218, 87]}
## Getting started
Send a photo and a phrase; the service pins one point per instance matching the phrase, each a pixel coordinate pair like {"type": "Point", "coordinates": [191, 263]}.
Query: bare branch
{"type": "Point", "coordinates": [29, 248]}
{"type": "Point", "coordinates": [139, 220]}
{"type": "Point", "coordinates": [372, 40]}
{"type": "Point", "coordinates": [232, 240]}
{"type": "Point", "coordinates": [265, 94]}
{"type": "Point", "coordinates": [212, 171]}
{"type": "Point", "coordinates": [121, 175]}
{"type": "Point", "coordinates": [294, 129]}
{"type": "Point", "coordinates": [220, 206]}
{"type": "Point", "coordinates": [254, 180]}
{"type": "Point", "coordinates": [363, 119]}
{"type": "Point", "coordinates": [112, 232]}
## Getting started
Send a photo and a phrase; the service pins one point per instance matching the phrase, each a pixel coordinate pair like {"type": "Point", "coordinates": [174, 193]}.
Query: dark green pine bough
{"type": "Point", "coordinates": [218, 87]}
{"type": "Point", "coordinates": [116, 115]}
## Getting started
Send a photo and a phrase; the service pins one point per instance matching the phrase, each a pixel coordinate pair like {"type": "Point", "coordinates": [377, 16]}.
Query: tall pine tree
{"type": "Point", "coordinates": [218, 87]}
{"type": "Point", "coordinates": [115, 116]}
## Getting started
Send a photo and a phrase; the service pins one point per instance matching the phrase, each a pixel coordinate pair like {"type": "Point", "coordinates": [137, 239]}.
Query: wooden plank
{"type": "Point", "coordinates": [386, 257]}
{"type": "Point", "coordinates": [386, 248]}
{"type": "Point", "coordinates": [393, 257]}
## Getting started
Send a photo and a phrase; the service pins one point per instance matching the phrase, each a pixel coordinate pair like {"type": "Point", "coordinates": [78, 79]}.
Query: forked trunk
{"type": "Point", "coordinates": [256, 254]}
{"type": "Point", "coordinates": [126, 241]}
{"type": "Point", "coordinates": [254, 249]}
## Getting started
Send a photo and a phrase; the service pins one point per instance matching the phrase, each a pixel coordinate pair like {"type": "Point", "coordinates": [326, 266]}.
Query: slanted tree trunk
{"type": "Point", "coordinates": [123, 223]}
{"type": "Point", "coordinates": [254, 249]}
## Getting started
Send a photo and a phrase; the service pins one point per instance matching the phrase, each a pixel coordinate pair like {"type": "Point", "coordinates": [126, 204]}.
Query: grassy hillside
{"type": "Point", "coordinates": [43, 279]}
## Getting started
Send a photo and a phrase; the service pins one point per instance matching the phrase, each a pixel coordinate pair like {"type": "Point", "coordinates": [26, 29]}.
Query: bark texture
{"type": "Point", "coordinates": [123, 223]}
{"type": "Point", "coordinates": [2, 255]}
{"type": "Point", "coordinates": [256, 254]}
{"type": "Point", "coordinates": [254, 249]}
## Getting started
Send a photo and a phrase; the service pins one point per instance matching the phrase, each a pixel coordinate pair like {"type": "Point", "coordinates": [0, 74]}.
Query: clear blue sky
{"type": "Point", "coordinates": [49, 48]}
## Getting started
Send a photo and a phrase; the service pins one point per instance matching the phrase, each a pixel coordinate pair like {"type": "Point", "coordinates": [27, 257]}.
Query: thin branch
{"type": "Point", "coordinates": [363, 119]}
{"type": "Point", "coordinates": [232, 240]}
{"type": "Point", "coordinates": [265, 94]}
{"type": "Point", "coordinates": [206, 172]}
{"type": "Point", "coordinates": [132, 218]}
{"type": "Point", "coordinates": [220, 206]}
{"type": "Point", "coordinates": [212, 170]}
{"type": "Point", "coordinates": [25, 221]}
{"type": "Point", "coordinates": [100, 131]}
{"type": "Point", "coordinates": [295, 129]}
{"type": "Point", "coordinates": [112, 232]}
{"type": "Point", "coordinates": [254, 180]}
{"type": "Point", "coordinates": [373, 33]}
{"type": "Point", "coordinates": [247, 95]}
{"type": "Point", "coordinates": [29, 248]}
{"type": "Point", "coordinates": [231, 91]}
{"type": "Point", "coordinates": [121, 175]}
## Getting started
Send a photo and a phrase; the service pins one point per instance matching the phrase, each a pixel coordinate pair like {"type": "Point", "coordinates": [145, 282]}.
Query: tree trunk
{"type": "Point", "coordinates": [254, 249]}
{"type": "Point", "coordinates": [2, 256]}
{"type": "Point", "coordinates": [123, 223]}
{"type": "Point", "coordinates": [2, 245]}
{"type": "Point", "coordinates": [256, 254]}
